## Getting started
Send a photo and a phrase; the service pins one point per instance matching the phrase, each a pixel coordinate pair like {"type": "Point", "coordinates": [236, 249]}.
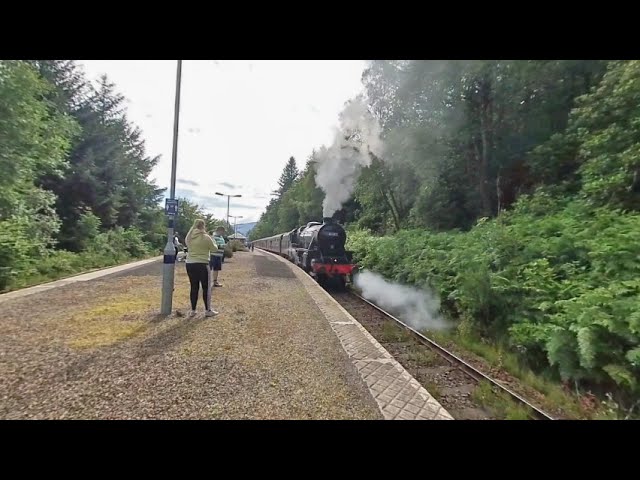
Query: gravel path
{"type": "Point", "coordinates": [99, 351]}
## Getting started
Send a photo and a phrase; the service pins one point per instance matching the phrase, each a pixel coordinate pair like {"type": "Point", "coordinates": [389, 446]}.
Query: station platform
{"type": "Point", "coordinates": [281, 348]}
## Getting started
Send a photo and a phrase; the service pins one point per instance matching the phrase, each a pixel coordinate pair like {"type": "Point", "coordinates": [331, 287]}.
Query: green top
{"type": "Point", "coordinates": [220, 242]}
{"type": "Point", "coordinates": [199, 245]}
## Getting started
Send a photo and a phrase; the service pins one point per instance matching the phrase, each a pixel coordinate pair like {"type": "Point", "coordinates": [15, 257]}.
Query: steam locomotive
{"type": "Point", "coordinates": [317, 248]}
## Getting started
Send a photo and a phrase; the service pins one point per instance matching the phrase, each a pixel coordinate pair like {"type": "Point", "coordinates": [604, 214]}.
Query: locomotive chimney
{"type": "Point", "coordinates": [327, 220]}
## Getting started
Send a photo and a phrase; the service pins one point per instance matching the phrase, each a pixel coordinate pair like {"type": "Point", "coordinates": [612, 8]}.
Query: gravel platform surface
{"type": "Point", "coordinates": [98, 350]}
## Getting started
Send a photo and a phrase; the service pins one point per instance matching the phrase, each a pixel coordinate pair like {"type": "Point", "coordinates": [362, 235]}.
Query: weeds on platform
{"type": "Point", "coordinates": [105, 325]}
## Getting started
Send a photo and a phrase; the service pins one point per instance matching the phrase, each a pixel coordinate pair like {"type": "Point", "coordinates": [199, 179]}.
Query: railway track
{"type": "Point", "coordinates": [454, 379]}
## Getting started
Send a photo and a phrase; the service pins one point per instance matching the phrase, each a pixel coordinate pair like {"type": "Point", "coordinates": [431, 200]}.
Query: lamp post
{"type": "Point", "coordinates": [228, 202]}
{"type": "Point", "coordinates": [168, 268]}
{"type": "Point", "coordinates": [235, 223]}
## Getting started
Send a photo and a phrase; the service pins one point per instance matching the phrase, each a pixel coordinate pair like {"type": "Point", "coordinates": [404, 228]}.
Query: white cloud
{"type": "Point", "coordinates": [240, 121]}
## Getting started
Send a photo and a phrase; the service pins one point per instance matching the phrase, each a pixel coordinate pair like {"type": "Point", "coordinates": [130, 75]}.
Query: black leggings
{"type": "Point", "coordinates": [199, 274]}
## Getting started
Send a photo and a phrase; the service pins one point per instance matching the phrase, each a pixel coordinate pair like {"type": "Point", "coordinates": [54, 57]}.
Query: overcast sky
{"type": "Point", "coordinates": [240, 121]}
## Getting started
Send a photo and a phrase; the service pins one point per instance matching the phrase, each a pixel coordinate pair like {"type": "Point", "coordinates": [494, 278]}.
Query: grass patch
{"type": "Point", "coordinates": [423, 357]}
{"type": "Point", "coordinates": [108, 324]}
{"type": "Point", "coordinates": [500, 403]}
{"type": "Point", "coordinates": [100, 335]}
{"type": "Point", "coordinates": [433, 389]}
{"type": "Point", "coordinates": [393, 333]}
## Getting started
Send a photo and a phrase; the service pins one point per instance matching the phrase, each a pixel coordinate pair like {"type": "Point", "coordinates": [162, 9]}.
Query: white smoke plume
{"type": "Point", "coordinates": [339, 165]}
{"type": "Point", "coordinates": [417, 308]}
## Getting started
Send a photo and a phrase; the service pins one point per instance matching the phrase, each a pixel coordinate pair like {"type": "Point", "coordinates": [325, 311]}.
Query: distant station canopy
{"type": "Point", "coordinates": [237, 236]}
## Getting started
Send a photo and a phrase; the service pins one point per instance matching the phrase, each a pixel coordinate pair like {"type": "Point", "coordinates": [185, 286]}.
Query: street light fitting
{"type": "Point", "coordinates": [228, 202]}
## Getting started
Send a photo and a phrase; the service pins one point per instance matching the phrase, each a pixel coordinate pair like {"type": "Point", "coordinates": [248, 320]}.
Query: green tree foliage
{"type": "Point", "coordinates": [299, 203]}
{"type": "Point", "coordinates": [75, 175]}
{"type": "Point", "coordinates": [459, 133]}
{"type": "Point", "coordinates": [34, 139]}
{"type": "Point", "coordinates": [108, 168]}
{"type": "Point", "coordinates": [606, 129]}
{"type": "Point", "coordinates": [288, 177]}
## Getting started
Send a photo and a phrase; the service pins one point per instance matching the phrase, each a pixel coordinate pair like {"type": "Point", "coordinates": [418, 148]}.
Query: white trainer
{"type": "Point", "coordinates": [210, 313]}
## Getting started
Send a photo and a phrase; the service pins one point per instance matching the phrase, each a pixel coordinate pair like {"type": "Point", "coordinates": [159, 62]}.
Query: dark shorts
{"type": "Point", "coordinates": [215, 262]}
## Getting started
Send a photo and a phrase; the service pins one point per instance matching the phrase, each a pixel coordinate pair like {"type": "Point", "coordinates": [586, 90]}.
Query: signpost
{"type": "Point", "coordinates": [171, 207]}
{"type": "Point", "coordinates": [171, 210]}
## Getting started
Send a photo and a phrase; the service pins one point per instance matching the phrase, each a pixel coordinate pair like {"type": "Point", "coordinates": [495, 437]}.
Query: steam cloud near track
{"type": "Point", "coordinates": [417, 308]}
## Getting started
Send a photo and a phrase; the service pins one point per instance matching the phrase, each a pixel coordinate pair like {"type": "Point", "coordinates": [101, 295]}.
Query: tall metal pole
{"type": "Point", "coordinates": [228, 203]}
{"type": "Point", "coordinates": [168, 268]}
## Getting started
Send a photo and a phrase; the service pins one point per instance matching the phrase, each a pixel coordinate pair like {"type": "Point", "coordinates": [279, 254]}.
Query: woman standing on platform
{"type": "Point", "coordinates": [199, 248]}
